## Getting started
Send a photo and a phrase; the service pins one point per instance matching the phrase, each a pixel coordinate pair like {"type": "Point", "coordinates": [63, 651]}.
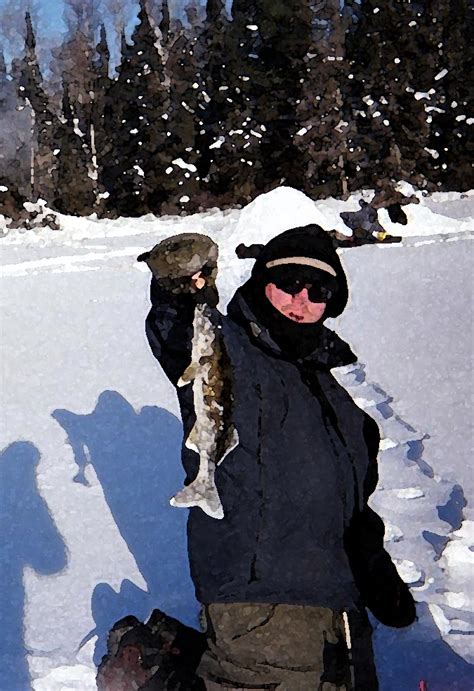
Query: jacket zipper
{"type": "Point", "coordinates": [253, 563]}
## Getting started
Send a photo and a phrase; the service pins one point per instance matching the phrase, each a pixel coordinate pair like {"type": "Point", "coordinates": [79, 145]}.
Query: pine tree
{"type": "Point", "coordinates": [386, 59]}
{"type": "Point", "coordinates": [165, 22]}
{"type": "Point", "coordinates": [75, 189]}
{"type": "Point", "coordinates": [15, 135]}
{"type": "Point", "coordinates": [284, 27]}
{"type": "Point", "coordinates": [444, 29]}
{"type": "Point", "coordinates": [327, 136]}
{"type": "Point", "coordinates": [99, 137]}
{"type": "Point", "coordinates": [44, 120]}
{"type": "Point", "coordinates": [136, 114]}
{"type": "Point", "coordinates": [250, 118]}
{"type": "Point", "coordinates": [236, 169]}
{"type": "Point", "coordinates": [182, 182]}
{"type": "Point", "coordinates": [84, 71]}
{"type": "Point", "coordinates": [212, 63]}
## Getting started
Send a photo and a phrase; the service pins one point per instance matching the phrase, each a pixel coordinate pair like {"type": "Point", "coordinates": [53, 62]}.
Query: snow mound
{"type": "Point", "coordinates": [272, 213]}
{"type": "Point", "coordinates": [265, 217]}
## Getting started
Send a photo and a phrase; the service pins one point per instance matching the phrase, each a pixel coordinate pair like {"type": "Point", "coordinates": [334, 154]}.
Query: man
{"type": "Point", "coordinates": [286, 575]}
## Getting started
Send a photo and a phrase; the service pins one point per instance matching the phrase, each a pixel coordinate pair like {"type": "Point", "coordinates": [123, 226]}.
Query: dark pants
{"type": "Point", "coordinates": [286, 648]}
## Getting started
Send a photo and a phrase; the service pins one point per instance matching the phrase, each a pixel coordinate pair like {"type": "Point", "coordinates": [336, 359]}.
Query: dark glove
{"type": "Point", "coordinates": [377, 579]}
{"type": "Point", "coordinates": [385, 593]}
{"type": "Point", "coordinates": [177, 259]}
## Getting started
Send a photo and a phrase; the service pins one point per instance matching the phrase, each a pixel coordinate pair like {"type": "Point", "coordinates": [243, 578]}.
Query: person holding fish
{"type": "Point", "coordinates": [285, 553]}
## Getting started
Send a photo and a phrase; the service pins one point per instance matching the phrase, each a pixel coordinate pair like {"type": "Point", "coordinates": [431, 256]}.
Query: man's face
{"type": "Point", "coordinates": [298, 307]}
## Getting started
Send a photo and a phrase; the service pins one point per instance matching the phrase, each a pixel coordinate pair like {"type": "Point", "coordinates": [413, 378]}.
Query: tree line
{"type": "Point", "coordinates": [327, 98]}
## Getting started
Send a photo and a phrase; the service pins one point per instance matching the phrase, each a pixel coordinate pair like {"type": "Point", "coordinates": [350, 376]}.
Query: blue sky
{"type": "Point", "coordinates": [49, 24]}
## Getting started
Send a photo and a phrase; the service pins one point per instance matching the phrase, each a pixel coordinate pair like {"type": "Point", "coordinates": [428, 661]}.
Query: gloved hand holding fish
{"type": "Point", "coordinates": [187, 263]}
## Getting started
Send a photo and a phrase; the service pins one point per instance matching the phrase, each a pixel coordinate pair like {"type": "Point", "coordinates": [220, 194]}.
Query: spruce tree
{"type": "Point", "coordinates": [386, 60]}
{"type": "Point", "coordinates": [165, 22]}
{"type": "Point", "coordinates": [75, 189]}
{"type": "Point", "coordinates": [99, 137]}
{"type": "Point", "coordinates": [136, 114]}
{"type": "Point", "coordinates": [285, 31]}
{"type": "Point", "coordinates": [327, 136]}
{"type": "Point", "coordinates": [212, 63]}
{"type": "Point", "coordinates": [45, 120]}
{"type": "Point", "coordinates": [236, 171]}
{"type": "Point", "coordinates": [15, 135]}
{"type": "Point", "coordinates": [445, 30]}
{"type": "Point", "coordinates": [84, 69]}
{"type": "Point", "coordinates": [181, 181]}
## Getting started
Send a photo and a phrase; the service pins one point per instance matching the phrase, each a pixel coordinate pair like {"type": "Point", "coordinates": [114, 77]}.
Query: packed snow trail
{"type": "Point", "coordinates": [407, 495]}
{"type": "Point", "coordinates": [81, 386]}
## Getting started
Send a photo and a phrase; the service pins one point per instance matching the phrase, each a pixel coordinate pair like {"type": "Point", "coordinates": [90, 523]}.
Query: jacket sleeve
{"type": "Point", "coordinates": [381, 588]}
{"type": "Point", "coordinates": [169, 328]}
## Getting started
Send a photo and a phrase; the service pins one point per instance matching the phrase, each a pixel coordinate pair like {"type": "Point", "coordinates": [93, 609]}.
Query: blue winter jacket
{"type": "Point", "coordinates": [297, 527]}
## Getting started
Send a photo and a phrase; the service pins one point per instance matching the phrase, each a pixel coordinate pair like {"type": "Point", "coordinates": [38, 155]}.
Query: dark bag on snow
{"type": "Point", "coordinates": [161, 654]}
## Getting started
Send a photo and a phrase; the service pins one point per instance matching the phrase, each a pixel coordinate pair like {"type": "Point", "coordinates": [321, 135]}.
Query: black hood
{"type": "Point", "coordinates": [307, 241]}
{"type": "Point", "coordinates": [328, 349]}
{"type": "Point", "coordinates": [306, 248]}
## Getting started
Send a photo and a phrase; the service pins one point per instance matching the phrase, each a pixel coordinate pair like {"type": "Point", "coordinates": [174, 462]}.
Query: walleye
{"type": "Point", "coordinates": [213, 435]}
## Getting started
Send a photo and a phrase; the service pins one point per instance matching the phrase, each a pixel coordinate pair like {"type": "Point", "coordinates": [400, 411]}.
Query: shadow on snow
{"type": "Point", "coordinates": [136, 457]}
{"type": "Point", "coordinates": [406, 656]}
{"type": "Point", "coordinates": [29, 538]}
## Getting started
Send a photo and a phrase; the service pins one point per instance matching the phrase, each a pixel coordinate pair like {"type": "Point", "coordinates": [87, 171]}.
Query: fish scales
{"type": "Point", "coordinates": [213, 435]}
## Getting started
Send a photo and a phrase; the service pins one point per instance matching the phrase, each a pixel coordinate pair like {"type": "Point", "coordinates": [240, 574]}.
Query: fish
{"type": "Point", "coordinates": [213, 435]}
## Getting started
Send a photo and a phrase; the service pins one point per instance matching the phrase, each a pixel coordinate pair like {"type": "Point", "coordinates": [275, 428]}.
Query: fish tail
{"type": "Point", "coordinates": [201, 492]}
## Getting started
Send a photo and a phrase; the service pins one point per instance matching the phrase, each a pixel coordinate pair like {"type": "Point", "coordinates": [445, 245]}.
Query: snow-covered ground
{"type": "Point", "coordinates": [90, 432]}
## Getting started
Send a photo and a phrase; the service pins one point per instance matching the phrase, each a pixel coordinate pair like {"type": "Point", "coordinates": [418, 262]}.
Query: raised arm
{"type": "Point", "coordinates": [184, 268]}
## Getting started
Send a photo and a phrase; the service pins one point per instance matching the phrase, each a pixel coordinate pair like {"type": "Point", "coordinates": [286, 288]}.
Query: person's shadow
{"type": "Point", "coordinates": [29, 537]}
{"type": "Point", "coordinates": [136, 457]}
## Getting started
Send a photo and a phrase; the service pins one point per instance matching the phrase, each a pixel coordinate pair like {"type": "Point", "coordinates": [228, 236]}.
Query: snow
{"type": "Point", "coordinates": [92, 426]}
{"type": "Point", "coordinates": [185, 166]}
{"type": "Point", "coordinates": [441, 74]}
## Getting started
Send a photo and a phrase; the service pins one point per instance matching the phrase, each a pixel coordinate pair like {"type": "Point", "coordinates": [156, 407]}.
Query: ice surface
{"type": "Point", "coordinates": [79, 385]}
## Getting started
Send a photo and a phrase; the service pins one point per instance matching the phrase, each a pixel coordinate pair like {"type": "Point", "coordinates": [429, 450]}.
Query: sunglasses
{"type": "Point", "coordinates": [317, 292]}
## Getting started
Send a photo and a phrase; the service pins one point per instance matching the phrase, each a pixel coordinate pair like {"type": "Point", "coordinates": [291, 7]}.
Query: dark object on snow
{"type": "Point", "coordinates": [12, 207]}
{"type": "Point", "coordinates": [389, 198]}
{"type": "Point", "coordinates": [365, 221]}
{"type": "Point", "coordinates": [386, 196]}
{"type": "Point", "coordinates": [51, 221]}
{"type": "Point", "coordinates": [396, 214]}
{"type": "Point", "coordinates": [11, 204]}
{"type": "Point", "coordinates": [357, 239]}
{"type": "Point", "coordinates": [295, 490]}
{"type": "Point", "coordinates": [159, 655]}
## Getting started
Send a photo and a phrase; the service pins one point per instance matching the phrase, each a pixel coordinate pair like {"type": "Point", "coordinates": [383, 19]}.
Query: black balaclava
{"type": "Point", "coordinates": [309, 242]}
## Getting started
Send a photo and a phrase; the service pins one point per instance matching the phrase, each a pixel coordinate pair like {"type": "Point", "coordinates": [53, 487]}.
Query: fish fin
{"type": "Point", "coordinates": [191, 441]}
{"type": "Point", "coordinates": [188, 375]}
{"type": "Point", "coordinates": [201, 493]}
{"type": "Point", "coordinates": [232, 442]}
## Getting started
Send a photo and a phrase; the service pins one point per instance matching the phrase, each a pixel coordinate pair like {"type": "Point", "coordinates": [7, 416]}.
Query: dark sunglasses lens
{"type": "Point", "coordinates": [317, 292]}
{"type": "Point", "coordinates": [292, 286]}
